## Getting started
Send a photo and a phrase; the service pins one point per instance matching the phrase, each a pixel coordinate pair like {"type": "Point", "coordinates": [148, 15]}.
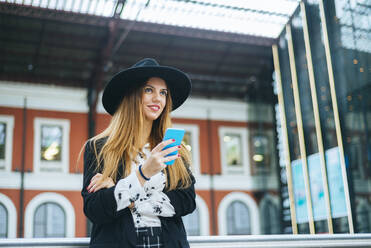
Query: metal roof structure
{"type": "Point", "coordinates": [83, 43]}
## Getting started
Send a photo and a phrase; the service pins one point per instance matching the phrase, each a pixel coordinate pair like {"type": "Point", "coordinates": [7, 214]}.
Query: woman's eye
{"type": "Point", "coordinates": [147, 90]}
{"type": "Point", "coordinates": [164, 93]}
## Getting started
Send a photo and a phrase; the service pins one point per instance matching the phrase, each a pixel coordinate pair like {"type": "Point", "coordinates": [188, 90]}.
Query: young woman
{"type": "Point", "coordinates": [132, 198]}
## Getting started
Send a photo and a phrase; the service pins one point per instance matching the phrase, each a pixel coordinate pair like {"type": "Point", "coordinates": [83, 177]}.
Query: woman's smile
{"type": "Point", "coordinates": [154, 107]}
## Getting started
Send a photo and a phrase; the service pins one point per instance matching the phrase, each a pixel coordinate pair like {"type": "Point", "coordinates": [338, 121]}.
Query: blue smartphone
{"type": "Point", "coordinates": [173, 133]}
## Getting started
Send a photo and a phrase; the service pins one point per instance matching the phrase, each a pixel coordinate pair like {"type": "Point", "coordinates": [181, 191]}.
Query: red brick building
{"type": "Point", "coordinates": [232, 145]}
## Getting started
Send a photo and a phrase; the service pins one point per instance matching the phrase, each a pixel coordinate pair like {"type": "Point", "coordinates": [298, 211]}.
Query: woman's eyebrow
{"type": "Point", "coordinates": [148, 85]}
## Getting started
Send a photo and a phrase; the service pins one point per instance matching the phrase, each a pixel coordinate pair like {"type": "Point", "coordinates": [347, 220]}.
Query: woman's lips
{"type": "Point", "coordinates": [154, 107]}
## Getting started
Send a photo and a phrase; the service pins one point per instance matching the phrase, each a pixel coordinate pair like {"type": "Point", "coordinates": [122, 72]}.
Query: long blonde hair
{"type": "Point", "coordinates": [123, 142]}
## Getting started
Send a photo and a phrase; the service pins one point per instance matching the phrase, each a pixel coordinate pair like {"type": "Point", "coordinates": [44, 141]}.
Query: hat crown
{"type": "Point", "coordinates": [146, 62]}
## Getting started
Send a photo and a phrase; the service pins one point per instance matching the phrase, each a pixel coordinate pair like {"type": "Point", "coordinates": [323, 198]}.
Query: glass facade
{"type": "Point", "coordinates": [331, 53]}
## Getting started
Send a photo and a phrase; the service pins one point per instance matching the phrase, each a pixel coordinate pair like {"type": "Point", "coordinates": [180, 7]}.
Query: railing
{"type": "Point", "coordinates": [250, 241]}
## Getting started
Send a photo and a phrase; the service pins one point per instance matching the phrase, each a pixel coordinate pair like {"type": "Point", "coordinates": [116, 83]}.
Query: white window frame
{"type": "Point", "coordinates": [42, 198]}
{"type": "Point", "coordinates": [203, 212]}
{"type": "Point", "coordinates": [243, 133]}
{"type": "Point", "coordinates": [248, 201]}
{"type": "Point", "coordinates": [6, 164]}
{"type": "Point", "coordinates": [12, 215]}
{"type": "Point", "coordinates": [63, 165]}
{"type": "Point", "coordinates": [195, 137]}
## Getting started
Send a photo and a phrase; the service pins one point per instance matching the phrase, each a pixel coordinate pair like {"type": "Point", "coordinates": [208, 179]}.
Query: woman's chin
{"type": "Point", "coordinates": [152, 117]}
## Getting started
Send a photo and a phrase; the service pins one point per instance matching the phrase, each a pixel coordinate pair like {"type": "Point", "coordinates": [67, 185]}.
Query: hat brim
{"type": "Point", "coordinates": [126, 81]}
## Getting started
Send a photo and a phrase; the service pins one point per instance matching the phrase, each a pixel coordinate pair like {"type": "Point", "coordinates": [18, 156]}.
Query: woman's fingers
{"type": "Point", "coordinates": [162, 145]}
{"type": "Point", "coordinates": [99, 186]}
{"type": "Point", "coordinates": [93, 180]}
{"type": "Point", "coordinates": [169, 150]}
{"type": "Point", "coordinates": [169, 158]}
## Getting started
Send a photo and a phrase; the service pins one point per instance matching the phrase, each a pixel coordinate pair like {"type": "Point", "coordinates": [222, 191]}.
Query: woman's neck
{"type": "Point", "coordinates": [147, 127]}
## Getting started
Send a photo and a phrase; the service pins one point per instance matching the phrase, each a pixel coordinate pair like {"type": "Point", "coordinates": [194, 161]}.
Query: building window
{"type": "Point", "coordinates": [3, 222]}
{"type": "Point", "coordinates": [2, 140]}
{"type": "Point", "coordinates": [49, 221]}
{"type": "Point", "coordinates": [191, 141]}
{"type": "Point", "coordinates": [6, 141]}
{"type": "Point", "coordinates": [49, 215]}
{"type": "Point", "coordinates": [192, 223]}
{"type": "Point", "coordinates": [238, 213]}
{"type": "Point", "coordinates": [51, 145]}
{"type": "Point", "coordinates": [234, 150]}
{"type": "Point", "coordinates": [238, 219]}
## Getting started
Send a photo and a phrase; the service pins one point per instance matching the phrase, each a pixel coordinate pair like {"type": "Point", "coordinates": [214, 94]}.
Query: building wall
{"type": "Point", "coordinates": [203, 118]}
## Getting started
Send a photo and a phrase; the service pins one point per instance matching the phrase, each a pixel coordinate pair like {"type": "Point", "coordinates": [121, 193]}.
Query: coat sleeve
{"type": "Point", "coordinates": [183, 200]}
{"type": "Point", "coordinates": [100, 207]}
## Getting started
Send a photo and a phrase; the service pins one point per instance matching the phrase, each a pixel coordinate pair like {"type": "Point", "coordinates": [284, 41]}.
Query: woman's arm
{"type": "Point", "coordinates": [100, 206]}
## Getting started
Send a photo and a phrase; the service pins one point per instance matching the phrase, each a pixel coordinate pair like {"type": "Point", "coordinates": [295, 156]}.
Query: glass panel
{"type": "Point", "coordinates": [3, 222]}
{"type": "Point", "coordinates": [51, 142]}
{"type": "Point", "coordinates": [233, 149]}
{"type": "Point", "coordinates": [238, 219]}
{"type": "Point", "coordinates": [261, 153]}
{"type": "Point", "coordinates": [192, 223]}
{"type": "Point", "coordinates": [363, 218]}
{"type": "Point", "coordinates": [2, 139]}
{"type": "Point", "coordinates": [271, 219]}
{"type": "Point", "coordinates": [49, 221]}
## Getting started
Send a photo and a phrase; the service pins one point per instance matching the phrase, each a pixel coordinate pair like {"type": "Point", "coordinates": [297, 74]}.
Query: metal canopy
{"type": "Point", "coordinates": [56, 45]}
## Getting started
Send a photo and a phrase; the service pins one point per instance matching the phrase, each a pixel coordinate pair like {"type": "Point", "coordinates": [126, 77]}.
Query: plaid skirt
{"type": "Point", "coordinates": [149, 237]}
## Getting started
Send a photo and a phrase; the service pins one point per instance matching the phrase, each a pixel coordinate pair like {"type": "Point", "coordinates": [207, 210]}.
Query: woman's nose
{"type": "Point", "coordinates": [156, 96]}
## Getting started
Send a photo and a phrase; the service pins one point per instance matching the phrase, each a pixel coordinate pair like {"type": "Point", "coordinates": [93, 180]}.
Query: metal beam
{"type": "Point", "coordinates": [78, 18]}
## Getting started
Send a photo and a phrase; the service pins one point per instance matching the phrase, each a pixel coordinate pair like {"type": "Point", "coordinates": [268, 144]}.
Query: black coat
{"type": "Point", "coordinates": [112, 228]}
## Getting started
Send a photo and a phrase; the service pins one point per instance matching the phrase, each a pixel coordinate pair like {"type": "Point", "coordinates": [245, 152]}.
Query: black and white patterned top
{"type": "Point", "coordinates": [149, 200]}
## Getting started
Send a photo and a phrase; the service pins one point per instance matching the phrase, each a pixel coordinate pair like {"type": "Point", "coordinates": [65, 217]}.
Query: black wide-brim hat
{"type": "Point", "coordinates": [126, 81]}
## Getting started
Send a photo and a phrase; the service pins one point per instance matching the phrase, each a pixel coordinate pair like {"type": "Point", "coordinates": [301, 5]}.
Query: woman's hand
{"type": "Point", "coordinates": [96, 183]}
{"type": "Point", "coordinates": [156, 161]}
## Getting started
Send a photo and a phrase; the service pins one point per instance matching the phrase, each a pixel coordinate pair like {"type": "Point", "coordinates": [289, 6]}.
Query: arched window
{"type": "Point", "coordinates": [270, 218]}
{"type": "Point", "coordinates": [238, 213]}
{"type": "Point", "coordinates": [192, 223]}
{"type": "Point", "coordinates": [49, 215]}
{"type": "Point", "coordinates": [49, 221]}
{"type": "Point", "coordinates": [238, 219]}
{"type": "Point", "coordinates": [8, 218]}
{"type": "Point", "coordinates": [3, 222]}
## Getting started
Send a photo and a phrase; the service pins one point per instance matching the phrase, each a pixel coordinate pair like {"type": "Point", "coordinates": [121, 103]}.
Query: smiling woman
{"type": "Point", "coordinates": [131, 196]}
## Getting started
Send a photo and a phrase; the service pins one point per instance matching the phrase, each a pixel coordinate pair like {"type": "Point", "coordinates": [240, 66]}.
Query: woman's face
{"type": "Point", "coordinates": [154, 98]}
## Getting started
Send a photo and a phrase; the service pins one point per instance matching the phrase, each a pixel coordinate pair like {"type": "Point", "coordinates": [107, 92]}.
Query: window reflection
{"type": "Point", "coordinates": [363, 218]}
{"type": "Point", "coordinates": [51, 142]}
{"type": "Point", "coordinates": [270, 224]}
{"type": "Point", "coordinates": [49, 221]}
{"type": "Point", "coordinates": [260, 153]}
